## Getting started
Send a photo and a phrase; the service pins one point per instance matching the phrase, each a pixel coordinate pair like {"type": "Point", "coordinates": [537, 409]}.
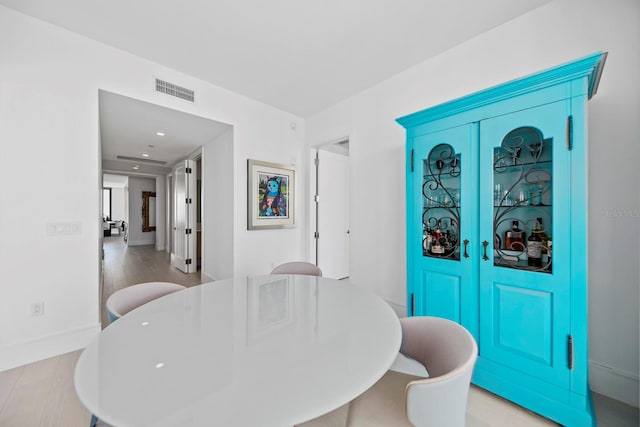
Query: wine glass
{"type": "Point", "coordinates": [513, 145]}
{"type": "Point", "coordinates": [535, 149]}
{"type": "Point", "coordinates": [499, 163]}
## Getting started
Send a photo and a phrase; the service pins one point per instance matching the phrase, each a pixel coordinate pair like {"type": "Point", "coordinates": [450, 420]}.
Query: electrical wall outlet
{"type": "Point", "coordinates": [37, 309]}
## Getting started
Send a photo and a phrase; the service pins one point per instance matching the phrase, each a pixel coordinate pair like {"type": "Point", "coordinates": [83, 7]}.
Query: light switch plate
{"type": "Point", "coordinates": [63, 228]}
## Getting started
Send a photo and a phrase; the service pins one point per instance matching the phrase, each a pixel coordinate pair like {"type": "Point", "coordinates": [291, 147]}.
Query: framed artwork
{"type": "Point", "coordinates": [270, 195]}
{"type": "Point", "coordinates": [148, 211]}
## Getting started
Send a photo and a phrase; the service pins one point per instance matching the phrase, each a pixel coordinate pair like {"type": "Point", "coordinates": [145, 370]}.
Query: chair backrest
{"type": "Point", "coordinates": [126, 299]}
{"type": "Point", "coordinates": [298, 267]}
{"type": "Point", "coordinates": [449, 353]}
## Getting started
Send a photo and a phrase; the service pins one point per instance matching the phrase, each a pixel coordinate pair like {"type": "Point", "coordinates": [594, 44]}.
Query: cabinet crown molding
{"type": "Point", "coordinates": [589, 67]}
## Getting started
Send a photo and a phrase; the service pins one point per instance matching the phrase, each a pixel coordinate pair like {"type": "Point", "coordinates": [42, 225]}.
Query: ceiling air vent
{"type": "Point", "coordinates": [174, 90]}
{"type": "Point", "coordinates": [141, 160]}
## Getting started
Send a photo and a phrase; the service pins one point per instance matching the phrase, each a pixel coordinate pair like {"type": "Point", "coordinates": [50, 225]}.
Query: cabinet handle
{"type": "Point", "coordinates": [484, 245]}
{"type": "Point", "coordinates": [570, 351]}
{"type": "Point", "coordinates": [466, 242]}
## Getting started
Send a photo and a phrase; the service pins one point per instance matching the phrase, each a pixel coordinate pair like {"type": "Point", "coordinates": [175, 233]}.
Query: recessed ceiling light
{"type": "Point", "coordinates": [136, 167]}
{"type": "Point", "coordinates": [160, 133]}
{"type": "Point", "coordinates": [159, 364]}
{"type": "Point", "coordinates": [145, 155]}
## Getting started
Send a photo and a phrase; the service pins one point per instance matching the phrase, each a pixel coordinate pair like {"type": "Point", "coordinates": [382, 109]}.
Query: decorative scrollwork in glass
{"type": "Point", "coordinates": [522, 167]}
{"type": "Point", "coordinates": [441, 203]}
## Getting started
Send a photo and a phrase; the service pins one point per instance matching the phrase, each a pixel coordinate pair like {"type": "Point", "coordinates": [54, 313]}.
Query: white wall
{"type": "Point", "coordinates": [558, 32]}
{"type": "Point", "coordinates": [49, 83]}
{"type": "Point", "coordinates": [117, 203]}
{"type": "Point", "coordinates": [218, 188]}
{"type": "Point", "coordinates": [136, 236]}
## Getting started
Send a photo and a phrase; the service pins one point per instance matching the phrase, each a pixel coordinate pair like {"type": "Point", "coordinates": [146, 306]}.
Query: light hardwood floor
{"type": "Point", "coordinates": [127, 265]}
{"type": "Point", "coordinates": [41, 394]}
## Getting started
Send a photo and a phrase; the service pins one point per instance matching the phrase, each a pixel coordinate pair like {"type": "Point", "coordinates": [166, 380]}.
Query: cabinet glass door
{"type": "Point", "coordinates": [522, 214]}
{"type": "Point", "coordinates": [441, 203]}
{"type": "Point", "coordinates": [524, 174]}
{"type": "Point", "coordinates": [442, 223]}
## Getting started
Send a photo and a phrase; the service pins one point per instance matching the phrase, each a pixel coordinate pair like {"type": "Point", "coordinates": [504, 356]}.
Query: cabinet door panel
{"type": "Point", "coordinates": [441, 220]}
{"type": "Point", "coordinates": [442, 295]}
{"type": "Point", "coordinates": [524, 315]}
{"type": "Point", "coordinates": [530, 333]}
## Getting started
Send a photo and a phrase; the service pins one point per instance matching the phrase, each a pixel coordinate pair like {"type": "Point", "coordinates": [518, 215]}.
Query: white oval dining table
{"type": "Point", "coordinates": [268, 351]}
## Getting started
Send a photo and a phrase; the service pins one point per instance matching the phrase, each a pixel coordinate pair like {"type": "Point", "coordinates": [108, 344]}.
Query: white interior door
{"type": "Point", "coordinates": [333, 214]}
{"type": "Point", "coordinates": [171, 246]}
{"type": "Point", "coordinates": [185, 218]}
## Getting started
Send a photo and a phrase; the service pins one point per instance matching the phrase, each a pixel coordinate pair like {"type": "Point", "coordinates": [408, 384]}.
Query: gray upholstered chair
{"type": "Point", "coordinates": [126, 299]}
{"type": "Point", "coordinates": [449, 352]}
{"type": "Point", "coordinates": [298, 267]}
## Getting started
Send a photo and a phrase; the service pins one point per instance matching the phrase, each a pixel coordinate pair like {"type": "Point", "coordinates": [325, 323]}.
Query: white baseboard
{"type": "Point", "coordinates": [205, 278]}
{"type": "Point", "coordinates": [614, 383]}
{"type": "Point", "coordinates": [46, 347]}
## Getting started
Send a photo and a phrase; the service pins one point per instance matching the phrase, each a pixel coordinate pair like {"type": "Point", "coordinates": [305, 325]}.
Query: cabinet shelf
{"type": "Point", "coordinates": [452, 257]}
{"type": "Point", "coordinates": [521, 265]}
{"type": "Point", "coordinates": [443, 177]}
{"type": "Point", "coordinates": [522, 206]}
{"type": "Point", "coordinates": [529, 165]}
{"type": "Point", "coordinates": [450, 207]}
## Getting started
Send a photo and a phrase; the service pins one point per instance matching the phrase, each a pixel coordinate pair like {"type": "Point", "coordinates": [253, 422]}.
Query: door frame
{"type": "Point", "coordinates": [316, 198]}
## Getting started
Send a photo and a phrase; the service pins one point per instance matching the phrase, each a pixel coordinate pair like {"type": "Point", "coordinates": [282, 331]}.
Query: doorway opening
{"type": "Point", "coordinates": [331, 222]}
{"type": "Point", "coordinates": [146, 141]}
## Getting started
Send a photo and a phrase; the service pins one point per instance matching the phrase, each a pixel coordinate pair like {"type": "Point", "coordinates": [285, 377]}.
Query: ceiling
{"type": "Point", "coordinates": [114, 181]}
{"type": "Point", "coordinates": [129, 127]}
{"type": "Point", "coordinates": [296, 55]}
{"type": "Point", "coordinates": [299, 56]}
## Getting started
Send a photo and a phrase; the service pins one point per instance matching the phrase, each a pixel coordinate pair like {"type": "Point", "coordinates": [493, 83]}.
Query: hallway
{"type": "Point", "coordinates": [128, 265]}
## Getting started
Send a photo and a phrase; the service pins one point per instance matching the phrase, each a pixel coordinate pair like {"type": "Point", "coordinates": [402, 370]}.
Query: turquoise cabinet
{"type": "Point", "coordinates": [497, 232]}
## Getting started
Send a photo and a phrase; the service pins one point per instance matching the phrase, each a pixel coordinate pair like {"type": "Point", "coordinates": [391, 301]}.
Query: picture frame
{"type": "Point", "coordinates": [270, 195]}
{"type": "Point", "coordinates": [148, 211]}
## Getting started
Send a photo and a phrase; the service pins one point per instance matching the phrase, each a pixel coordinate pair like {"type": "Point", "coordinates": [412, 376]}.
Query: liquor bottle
{"type": "Point", "coordinates": [514, 238]}
{"type": "Point", "coordinates": [447, 242]}
{"type": "Point", "coordinates": [534, 247]}
{"type": "Point", "coordinates": [428, 240]}
{"type": "Point", "coordinates": [437, 248]}
{"type": "Point", "coordinates": [549, 247]}
{"type": "Point", "coordinates": [453, 237]}
{"type": "Point", "coordinates": [543, 236]}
